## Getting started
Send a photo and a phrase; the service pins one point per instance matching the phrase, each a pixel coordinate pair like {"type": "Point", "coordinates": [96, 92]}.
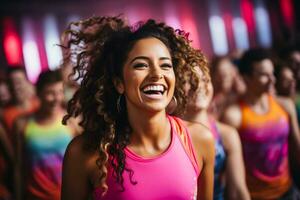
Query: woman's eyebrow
{"type": "Point", "coordinates": [146, 58]}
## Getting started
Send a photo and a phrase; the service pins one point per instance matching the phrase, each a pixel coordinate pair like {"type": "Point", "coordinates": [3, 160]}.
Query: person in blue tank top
{"type": "Point", "coordinates": [229, 172]}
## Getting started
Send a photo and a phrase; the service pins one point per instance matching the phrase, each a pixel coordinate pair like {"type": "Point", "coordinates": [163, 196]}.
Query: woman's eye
{"type": "Point", "coordinates": [140, 65]}
{"type": "Point", "coordinates": [166, 65]}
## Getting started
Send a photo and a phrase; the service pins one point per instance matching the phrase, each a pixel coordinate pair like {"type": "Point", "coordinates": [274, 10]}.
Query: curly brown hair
{"type": "Point", "coordinates": [101, 53]}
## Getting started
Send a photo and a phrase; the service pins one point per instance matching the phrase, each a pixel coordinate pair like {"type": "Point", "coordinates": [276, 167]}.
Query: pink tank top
{"type": "Point", "coordinates": [171, 175]}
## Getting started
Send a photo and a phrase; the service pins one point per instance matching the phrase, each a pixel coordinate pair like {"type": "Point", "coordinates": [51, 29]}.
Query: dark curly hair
{"type": "Point", "coordinates": [250, 57]}
{"type": "Point", "coordinates": [100, 55]}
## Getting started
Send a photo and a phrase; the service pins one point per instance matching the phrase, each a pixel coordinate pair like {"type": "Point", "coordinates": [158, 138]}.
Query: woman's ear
{"type": "Point", "coordinates": [118, 83]}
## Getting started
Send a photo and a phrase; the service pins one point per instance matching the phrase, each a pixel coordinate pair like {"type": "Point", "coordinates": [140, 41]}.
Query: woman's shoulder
{"type": "Point", "coordinates": [202, 139]}
{"type": "Point", "coordinates": [287, 104]}
{"type": "Point", "coordinates": [79, 147]}
{"type": "Point", "coordinates": [229, 136]}
{"type": "Point", "coordinates": [79, 168]}
{"type": "Point", "coordinates": [198, 131]}
{"type": "Point", "coordinates": [81, 157]}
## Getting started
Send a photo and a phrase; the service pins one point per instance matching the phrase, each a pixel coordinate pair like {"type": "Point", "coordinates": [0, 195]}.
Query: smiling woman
{"type": "Point", "coordinates": [149, 78]}
{"type": "Point", "coordinates": [131, 148]}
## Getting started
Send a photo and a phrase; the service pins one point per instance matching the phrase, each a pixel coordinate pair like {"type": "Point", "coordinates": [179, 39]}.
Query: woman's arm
{"type": "Point", "coordinates": [236, 188]}
{"type": "Point", "coordinates": [203, 142]}
{"type": "Point", "coordinates": [75, 175]}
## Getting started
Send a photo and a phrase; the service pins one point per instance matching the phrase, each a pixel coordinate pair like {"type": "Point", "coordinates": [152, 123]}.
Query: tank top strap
{"type": "Point", "coordinates": [183, 134]}
{"type": "Point", "coordinates": [214, 128]}
{"type": "Point", "coordinates": [276, 106]}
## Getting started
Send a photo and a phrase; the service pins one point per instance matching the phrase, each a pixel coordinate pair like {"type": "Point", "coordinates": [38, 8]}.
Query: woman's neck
{"type": "Point", "coordinates": [253, 99]}
{"type": "Point", "coordinates": [151, 132]}
{"type": "Point", "coordinates": [46, 116]}
{"type": "Point", "coordinates": [258, 103]}
{"type": "Point", "coordinates": [200, 116]}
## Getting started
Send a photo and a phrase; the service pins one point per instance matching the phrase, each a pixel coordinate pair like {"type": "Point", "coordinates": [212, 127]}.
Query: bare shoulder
{"type": "Point", "coordinates": [199, 132]}
{"type": "Point", "coordinates": [287, 104]}
{"type": "Point", "coordinates": [203, 142]}
{"type": "Point", "coordinates": [79, 169]}
{"type": "Point", "coordinates": [77, 148]}
{"type": "Point", "coordinates": [80, 158]}
{"type": "Point", "coordinates": [232, 115]}
{"type": "Point", "coordinates": [229, 136]}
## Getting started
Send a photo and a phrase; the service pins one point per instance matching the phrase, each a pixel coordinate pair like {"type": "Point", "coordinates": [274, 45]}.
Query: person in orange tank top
{"type": "Point", "coordinates": [268, 130]}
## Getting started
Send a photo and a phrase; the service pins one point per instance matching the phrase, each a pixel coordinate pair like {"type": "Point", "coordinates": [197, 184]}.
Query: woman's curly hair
{"type": "Point", "coordinates": [102, 46]}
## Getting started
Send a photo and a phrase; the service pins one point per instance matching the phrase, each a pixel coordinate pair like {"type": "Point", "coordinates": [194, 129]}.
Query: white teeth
{"type": "Point", "coordinates": [158, 88]}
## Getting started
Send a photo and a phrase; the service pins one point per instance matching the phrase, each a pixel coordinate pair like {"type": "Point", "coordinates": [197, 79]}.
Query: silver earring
{"type": "Point", "coordinates": [175, 100]}
{"type": "Point", "coordinates": [172, 106]}
{"type": "Point", "coordinates": [119, 103]}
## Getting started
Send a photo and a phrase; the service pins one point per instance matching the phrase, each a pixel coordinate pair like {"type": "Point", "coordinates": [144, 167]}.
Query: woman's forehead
{"type": "Point", "coordinates": [149, 46]}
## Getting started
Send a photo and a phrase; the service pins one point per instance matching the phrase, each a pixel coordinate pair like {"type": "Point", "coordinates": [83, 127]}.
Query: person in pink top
{"type": "Point", "coordinates": [130, 147]}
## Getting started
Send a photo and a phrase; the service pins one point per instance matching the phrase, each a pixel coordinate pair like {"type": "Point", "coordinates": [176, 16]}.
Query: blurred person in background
{"type": "Point", "coordinates": [286, 88]}
{"type": "Point", "coordinates": [6, 150]}
{"type": "Point", "coordinates": [7, 162]}
{"type": "Point", "coordinates": [285, 80]}
{"type": "Point", "coordinates": [268, 129]}
{"type": "Point", "coordinates": [5, 95]}
{"type": "Point", "coordinates": [41, 142]}
{"type": "Point", "coordinates": [291, 54]}
{"type": "Point", "coordinates": [229, 172]}
{"type": "Point", "coordinates": [226, 83]}
{"type": "Point", "coordinates": [24, 100]}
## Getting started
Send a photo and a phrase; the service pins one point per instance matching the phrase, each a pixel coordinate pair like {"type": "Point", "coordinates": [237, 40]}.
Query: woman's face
{"type": "Point", "coordinates": [148, 76]}
{"type": "Point", "coordinates": [262, 78]}
{"type": "Point", "coordinates": [201, 98]}
{"type": "Point", "coordinates": [286, 82]}
{"type": "Point", "coordinates": [52, 96]}
{"type": "Point", "coordinates": [224, 75]}
{"type": "Point", "coordinates": [20, 85]}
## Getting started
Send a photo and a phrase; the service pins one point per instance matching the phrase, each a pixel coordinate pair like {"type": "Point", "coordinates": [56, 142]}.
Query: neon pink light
{"type": "Point", "coordinates": [12, 44]}
{"type": "Point", "coordinates": [287, 12]}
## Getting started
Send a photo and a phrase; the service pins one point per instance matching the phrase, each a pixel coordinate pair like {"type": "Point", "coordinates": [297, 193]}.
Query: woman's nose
{"type": "Point", "coordinates": [156, 73]}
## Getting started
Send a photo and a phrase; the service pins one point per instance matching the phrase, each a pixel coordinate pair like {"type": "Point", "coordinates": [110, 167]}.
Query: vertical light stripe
{"type": "Point", "coordinates": [240, 33]}
{"type": "Point", "coordinates": [30, 51]}
{"type": "Point", "coordinates": [263, 27]}
{"type": "Point", "coordinates": [218, 35]}
{"type": "Point", "coordinates": [51, 35]}
{"type": "Point", "coordinates": [171, 16]}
